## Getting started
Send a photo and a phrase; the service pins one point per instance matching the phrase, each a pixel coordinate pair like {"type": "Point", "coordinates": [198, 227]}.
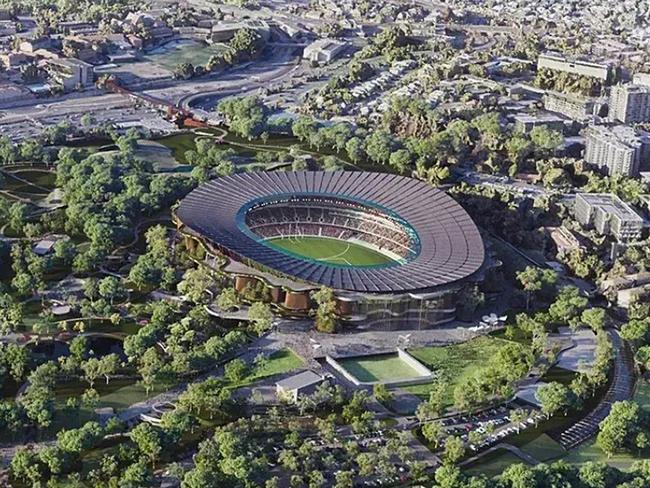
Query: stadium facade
{"type": "Point", "coordinates": [430, 246]}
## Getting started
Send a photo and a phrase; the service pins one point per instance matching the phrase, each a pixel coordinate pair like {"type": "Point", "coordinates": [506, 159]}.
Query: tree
{"type": "Point", "coordinates": [11, 313]}
{"type": "Point", "coordinates": [534, 279]}
{"type": "Point", "coordinates": [355, 149]}
{"type": "Point", "coordinates": [195, 283]}
{"type": "Point", "coordinates": [149, 441]}
{"type": "Point", "coordinates": [326, 311]}
{"type": "Point", "coordinates": [247, 116]}
{"type": "Point", "coordinates": [108, 365]}
{"type": "Point", "coordinates": [454, 450]}
{"type": "Point", "coordinates": [150, 368]}
{"type": "Point", "coordinates": [433, 432]}
{"type": "Point", "coordinates": [518, 476]}
{"type": "Point", "coordinates": [594, 318]}
{"type": "Point", "coordinates": [517, 416]}
{"type": "Point", "coordinates": [228, 299]}
{"type": "Point", "coordinates": [344, 479]}
{"type": "Point", "coordinates": [568, 305]}
{"type": "Point", "coordinates": [110, 288]}
{"type": "Point", "coordinates": [448, 476]}
{"type": "Point", "coordinates": [545, 140]}
{"type": "Point", "coordinates": [92, 370]}
{"type": "Point", "coordinates": [262, 317]}
{"type": "Point", "coordinates": [400, 160]}
{"type": "Point", "coordinates": [621, 427]}
{"type": "Point", "coordinates": [382, 394]}
{"type": "Point", "coordinates": [235, 370]}
{"type": "Point", "coordinates": [75, 441]}
{"type": "Point", "coordinates": [553, 397]}
{"type": "Point", "coordinates": [379, 146]}
{"type": "Point", "coordinates": [641, 441]}
{"type": "Point", "coordinates": [636, 331]}
{"type": "Point", "coordinates": [17, 216]}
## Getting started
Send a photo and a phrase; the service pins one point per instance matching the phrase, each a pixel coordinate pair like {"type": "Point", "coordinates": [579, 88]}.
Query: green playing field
{"type": "Point", "coordinates": [331, 251]}
{"type": "Point", "coordinates": [381, 367]}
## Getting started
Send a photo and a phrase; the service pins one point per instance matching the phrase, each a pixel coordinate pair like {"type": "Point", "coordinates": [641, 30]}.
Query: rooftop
{"type": "Point", "coordinates": [451, 248]}
{"type": "Point", "coordinates": [300, 380]}
{"type": "Point", "coordinates": [611, 204]}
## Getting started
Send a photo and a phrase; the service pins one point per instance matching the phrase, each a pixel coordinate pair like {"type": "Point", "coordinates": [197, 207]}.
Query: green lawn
{"type": "Point", "coordinates": [543, 448]}
{"type": "Point", "coordinates": [456, 363]}
{"type": "Point", "coordinates": [590, 452]}
{"type": "Point", "coordinates": [492, 464]}
{"type": "Point", "coordinates": [378, 368]}
{"type": "Point", "coordinates": [330, 251]}
{"type": "Point", "coordinates": [279, 362]}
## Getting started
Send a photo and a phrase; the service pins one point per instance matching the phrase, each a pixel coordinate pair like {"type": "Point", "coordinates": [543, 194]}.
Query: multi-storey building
{"type": "Point", "coordinates": [629, 104]}
{"type": "Point", "coordinates": [572, 106]}
{"type": "Point", "coordinates": [617, 150]}
{"type": "Point", "coordinates": [323, 51]}
{"type": "Point", "coordinates": [641, 79]}
{"type": "Point", "coordinates": [608, 215]}
{"type": "Point", "coordinates": [557, 62]}
{"type": "Point", "coordinates": [71, 73]}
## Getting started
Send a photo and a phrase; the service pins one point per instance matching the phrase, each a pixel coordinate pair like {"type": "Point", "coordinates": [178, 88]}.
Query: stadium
{"type": "Point", "coordinates": [395, 250]}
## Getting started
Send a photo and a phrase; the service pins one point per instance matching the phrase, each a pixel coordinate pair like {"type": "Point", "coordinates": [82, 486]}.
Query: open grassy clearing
{"type": "Point", "coordinates": [456, 363]}
{"type": "Point", "coordinates": [330, 251]}
{"type": "Point", "coordinates": [378, 368]}
{"type": "Point", "coordinates": [544, 448]}
{"type": "Point", "coordinates": [279, 362]}
{"type": "Point", "coordinates": [492, 464]}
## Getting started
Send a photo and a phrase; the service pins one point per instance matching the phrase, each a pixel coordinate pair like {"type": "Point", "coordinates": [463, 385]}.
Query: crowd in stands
{"type": "Point", "coordinates": [303, 219]}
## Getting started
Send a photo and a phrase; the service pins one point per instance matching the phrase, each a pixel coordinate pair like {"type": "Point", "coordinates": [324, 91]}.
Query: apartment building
{"type": "Point", "coordinates": [629, 104]}
{"type": "Point", "coordinates": [557, 62]}
{"type": "Point", "coordinates": [618, 150]}
{"type": "Point", "coordinates": [608, 215]}
{"type": "Point", "coordinates": [571, 106]}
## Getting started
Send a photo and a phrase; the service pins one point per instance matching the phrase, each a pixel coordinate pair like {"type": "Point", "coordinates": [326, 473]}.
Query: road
{"type": "Point", "coordinates": [278, 67]}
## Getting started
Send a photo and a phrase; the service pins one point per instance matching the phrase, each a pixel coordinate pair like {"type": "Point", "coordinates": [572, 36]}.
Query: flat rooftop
{"type": "Point", "coordinates": [300, 380]}
{"type": "Point", "coordinates": [611, 204]}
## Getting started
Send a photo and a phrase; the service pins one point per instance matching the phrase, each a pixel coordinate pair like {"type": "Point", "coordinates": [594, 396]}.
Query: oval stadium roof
{"type": "Point", "coordinates": [451, 247]}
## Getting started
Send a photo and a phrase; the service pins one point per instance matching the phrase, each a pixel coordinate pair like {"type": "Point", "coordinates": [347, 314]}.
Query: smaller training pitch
{"type": "Point", "coordinates": [382, 367]}
{"type": "Point", "coordinates": [330, 251]}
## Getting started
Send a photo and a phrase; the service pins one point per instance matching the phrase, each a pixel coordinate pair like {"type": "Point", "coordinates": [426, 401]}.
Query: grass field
{"type": "Point", "coordinates": [330, 251]}
{"type": "Point", "coordinates": [492, 464]}
{"type": "Point", "coordinates": [378, 368]}
{"type": "Point", "coordinates": [456, 363]}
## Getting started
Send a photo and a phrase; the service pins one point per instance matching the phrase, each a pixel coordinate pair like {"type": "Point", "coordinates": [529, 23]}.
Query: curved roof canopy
{"type": "Point", "coordinates": [450, 246]}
